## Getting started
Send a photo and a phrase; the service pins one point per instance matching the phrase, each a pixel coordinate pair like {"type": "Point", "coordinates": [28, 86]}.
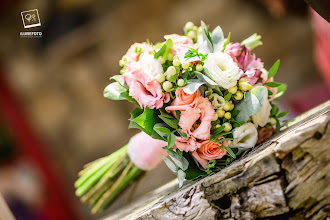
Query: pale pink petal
{"type": "Point", "coordinates": [145, 152]}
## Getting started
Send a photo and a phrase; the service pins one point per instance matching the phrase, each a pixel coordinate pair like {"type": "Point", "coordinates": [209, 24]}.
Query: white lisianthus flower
{"type": "Point", "coordinates": [262, 117]}
{"type": "Point", "coordinates": [217, 101]}
{"type": "Point", "coordinates": [222, 69]}
{"type": "Point", "coordinates": [150, 65]}
{"type": "Point", "coordinates": [245, 136]}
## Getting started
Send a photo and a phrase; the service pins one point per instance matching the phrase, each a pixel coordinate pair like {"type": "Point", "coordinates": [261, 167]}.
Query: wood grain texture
{"type": "Point", "coordinates": [286, 177]}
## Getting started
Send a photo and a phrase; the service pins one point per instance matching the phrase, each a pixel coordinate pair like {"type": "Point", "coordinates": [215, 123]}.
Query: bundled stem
{"type": "Point", "coordinates": [102, 180]}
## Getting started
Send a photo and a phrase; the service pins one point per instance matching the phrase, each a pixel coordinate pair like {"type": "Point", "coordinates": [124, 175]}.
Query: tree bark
{"type": "Point", "coordinates": [286, 177]}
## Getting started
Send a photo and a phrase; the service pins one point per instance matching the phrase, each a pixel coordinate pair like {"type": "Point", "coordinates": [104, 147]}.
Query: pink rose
{"type": "Point", "coordinates": [145, 152]}
{"type": "Point", "coordinates": [186, 145]}
{"type": "Point", "coordinates": [209, 151]}
{"type": "Point", "coordinates": [234, 50]}
{"type": "Point", "coordinates": [264, 134]}
{"type": "Point", "coordinates": [136, 50]}
{"type": "Point", "coordinates": [179, 43]}
{"type": "Point", "coordinates": [145, 90]}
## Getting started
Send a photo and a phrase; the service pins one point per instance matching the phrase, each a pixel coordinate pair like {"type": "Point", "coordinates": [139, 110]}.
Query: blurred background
{"type": "Point", "coordinates": [53, 117]}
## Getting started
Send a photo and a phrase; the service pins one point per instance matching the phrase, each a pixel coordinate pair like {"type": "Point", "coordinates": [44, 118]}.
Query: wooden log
{"type": "Point", "coordinates": [286, 177]}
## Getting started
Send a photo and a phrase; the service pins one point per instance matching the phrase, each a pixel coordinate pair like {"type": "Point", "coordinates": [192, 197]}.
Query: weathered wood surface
{"type": "Point", "coordinates": [286, 177]}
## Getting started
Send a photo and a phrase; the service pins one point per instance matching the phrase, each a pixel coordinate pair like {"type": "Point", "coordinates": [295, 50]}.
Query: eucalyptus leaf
{"type": "Point", "coordinates": [181, 177]}
{"type": "Point", "coordinates": [251, 103]}
{"type": "Point", "coordinates": [217, 39]}
{"type": "Point", "coordinates": [192, 85]}
{"type": "Point", "coordinates": [114, 91]}
{"type": "Point", "coordinates": [120, 80]}
{"type": "Point", "coordinates": [181, 162]}
{"type": "Point", "coordinates": [170, 164]}
{"type": "Point", "coordinates": [206, 78]}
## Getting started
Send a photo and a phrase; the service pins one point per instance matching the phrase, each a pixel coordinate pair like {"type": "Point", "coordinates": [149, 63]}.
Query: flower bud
{"type": "Point", "coordinates": [232, 89]}
{"type": "Point", "coordinates": [176, 62]}
{"type": "Point", "coordinates": [171, 71]}
{"type": "Point", "coordinates": [188, 26]}
{"type": "Point", "coordinates": [244, 86]}
{"type": "Point", "coordinates": [242, 80]}
{"type": "Point", "coordinates": [239, 95]}
{"type": "Point", "coordinates": [191, 34]}
{"type": "Point", "coordinates": [227, 115]}
{"type": "Point", "coordinates": [217, 126]}
{"type": "Point", "coordinates": [220, 113]}
{"type": "Point", "coordinates": [170, 56]}
{"type": "Point", "coordinates": [167, 86]}
{"type": "Point", "coordinates": [185, 66]}
{"type": "Point", "coordinates": [160, 78]}
{"type": "Point", "coordinates": [228, 126]}
{"type": "Point", "coordinates": [181, 82]}
{"type": "Point", "coordinates": [215, 117]}
{"type": "Point", "coordinates": [227, 106]}
{"type": "Point", "coordinates": [272, 121]}
{"type": "Point", "coordinates": [161, 59]}
{"type": "Point", "coordinates": [232, 106]}
{"type": "Point", "coordinates": [199, 67]}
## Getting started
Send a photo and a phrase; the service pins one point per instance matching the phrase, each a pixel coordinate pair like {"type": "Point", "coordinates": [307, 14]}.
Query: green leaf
{"type": "Point", "coordinates": [228, 96]}
{"type": "Point", "coordinates": [234, 113]}
{"type": "Point", "coordinates": [171, 140]}
{"type": "Point", "coordinates": [280, 90]}
{"type": "Point", "coordinates": [217, 39]}
{"type": "Point", "coordinates": [218, 130]}
{"type": "Point", "coordinates": [273, 70]}
{"type": "Point", "coordinates": [170, 164]}
{"type": "Point", "coordinates": [163, 130]}
{"type": "Point", "coordinates": [273, 84]}
{"type": "Point", "coordinates": [114, 91]}
{"type": "Point", "coordinates": [181, 177]}
{"type": "Point", "coordinates": [181, 162]}
{"type": "Point", "coordinates": [230, 152]}
{"type": "Point", "coordinates": [227, 41]}
{"type": "Point", "coordinates": [146, 120]}
{"type": "Point", "coordinates": [278, 126]}
{"type": "Point", "coordinates": [282, 114]}
{"type": "Point", "coordinates": [274, 110]}
{"type": "Point", "coordinates": [163, 51]}
{"type": "Point", "coordinates": [171, 122]}
{"type": "Point", "coordinates": [251, 103]}
{"type": "Point", "coordinates": [193, 172]}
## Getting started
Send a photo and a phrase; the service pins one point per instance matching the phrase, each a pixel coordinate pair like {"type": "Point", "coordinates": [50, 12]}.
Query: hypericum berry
{"type": "Point", "coordinates": [242, 80]}
{"type": "Point", "coordinates": [228, 126]}
{"type": "Point", "coordinates": [215, 117]}
{"type": "Point", "coordinates": [199, 67]}
{"type": "Point", "coordinates": [167, 86]}
{"type": "Point", "coordinates": [189, 25]}
{"type": "Point", "coordinates": [220, 113]}
{"type": "Point", "coordinates": [272, 121]}
{"type": "Point", "coordinates": [244, 86]}
{"type": "Point", "coordinates": [217, 126]}
{"type": "Point", "coordinates": [185, 66]}
{"type": "Point", "coordinates": [227, 115]}
{"type": "Point", "coordinates": [239, 95]}
{"type": "Point", "coordinates": [161, 59]}
{"type": "Point", "coordinates": [232, 106]}
{"type": "Point", "coordinates": [176, 62]}
{"type": "Point", "coordinates": [181, 82]}
{"type": "Point", "coordinates": [160, 78]}
{"type": "Point", "coordinates": [227, 106]}
{"type": "Point", "coordinates": [171, 71]}
{"type": "Point", "coordinates": [232, 89]}
{"type": "Point", "coordinates": [170, 56]}
{"type": "Point", "coordinates": [191, 34]}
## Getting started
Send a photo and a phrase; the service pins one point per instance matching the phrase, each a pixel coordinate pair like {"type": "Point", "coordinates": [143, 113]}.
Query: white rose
{"type": "Point", "coordinates": [150, 65]}
{"type": "Point", "coordinates": [217, 101]}
{"type": "Point", "coordinates": [261, 118]}
{"type": "Point", "coordinates": [222, 69]}
{"type": "Point", "coordinates": [245, 136]}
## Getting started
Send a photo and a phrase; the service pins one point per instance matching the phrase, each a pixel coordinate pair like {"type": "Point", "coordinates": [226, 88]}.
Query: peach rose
{"type": "Point", "coordinates": [264, 134]}
{"type": "Point", "coordinates": [182, 100]}
{"type": "Point", "coordinates": [209, 151]}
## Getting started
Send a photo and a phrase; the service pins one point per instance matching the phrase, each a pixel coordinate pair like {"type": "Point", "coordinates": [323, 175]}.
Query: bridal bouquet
{"type": "Point", "coordinates": [202, 101]}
